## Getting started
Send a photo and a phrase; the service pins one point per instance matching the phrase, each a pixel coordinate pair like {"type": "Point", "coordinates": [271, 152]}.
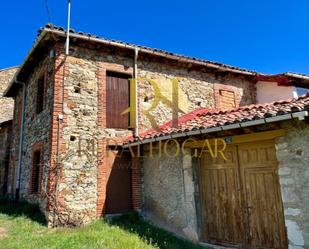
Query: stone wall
{"type": "Point", "coordinates": [293, 157]}
{"type": "Point", "coordinates": [168, 192]}
{"type": "Point", "coordinates": [6, 114]}
{"type": "Point", "coordinates": [72, 126]}
{"type": "Point", "coordinates": [195, 88]}
{"type": "Point", "coordinates": [36, 131]}
{"type": "Point", "coordinates": [80, 96]}
{"type": "Point", "coordinates": [11, 188]}
{"type": "Point", "coordinates": [7, 104]}
{"type": "Point", "coordinates": [77, 189]}
{"type": "Point", "coordinates": [5, 139]}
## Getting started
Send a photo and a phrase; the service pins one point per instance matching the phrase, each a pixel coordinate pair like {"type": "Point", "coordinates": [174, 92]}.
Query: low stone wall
{"type": "Point", "coordinates": [293, 157]}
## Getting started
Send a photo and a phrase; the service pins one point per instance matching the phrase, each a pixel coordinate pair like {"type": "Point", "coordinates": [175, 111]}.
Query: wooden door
{"type": "Point", "coordinates": [240, 198]}
{"type": "Point", "coordinates": [117, 100]}
{"type": "Point", "coordinates": [264, 219]}
{"type": "Point", "coordinates": [118, 189]}
{"type": "Point", "coordinates": [221, 200]}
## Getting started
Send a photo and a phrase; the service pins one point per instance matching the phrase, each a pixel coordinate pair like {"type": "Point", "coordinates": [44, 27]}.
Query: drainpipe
{"type": "Point", "coordinates": [21, 138]}
{"type": "Point", "coordinates": [136, 92]}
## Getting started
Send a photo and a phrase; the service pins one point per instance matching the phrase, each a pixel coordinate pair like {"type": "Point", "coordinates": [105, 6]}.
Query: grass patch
{"type": "Point", "coordinates": [153, 235]}
{"type": "Point", "coordinates": [25, 228]}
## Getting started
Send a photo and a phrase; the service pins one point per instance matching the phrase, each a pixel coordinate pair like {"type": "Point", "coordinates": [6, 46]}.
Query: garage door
{"type": "Point", "coordinates": [240, 198]}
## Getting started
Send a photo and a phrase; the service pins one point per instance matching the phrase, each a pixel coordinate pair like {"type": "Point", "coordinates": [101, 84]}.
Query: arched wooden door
{"type": "Point", "coordinates": [240, 198]}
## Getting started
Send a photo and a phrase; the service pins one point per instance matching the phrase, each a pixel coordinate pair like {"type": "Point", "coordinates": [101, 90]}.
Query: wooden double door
{"type": "Point", "coordinates": [240, 198]}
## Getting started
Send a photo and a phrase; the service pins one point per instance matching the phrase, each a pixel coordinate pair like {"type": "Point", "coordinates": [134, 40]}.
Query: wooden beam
{"type": "Point", "coordinates": [238, 139]}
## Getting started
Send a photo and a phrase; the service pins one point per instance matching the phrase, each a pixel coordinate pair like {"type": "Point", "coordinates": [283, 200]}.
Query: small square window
{"type": "Point", "coordinates": [227, 99]}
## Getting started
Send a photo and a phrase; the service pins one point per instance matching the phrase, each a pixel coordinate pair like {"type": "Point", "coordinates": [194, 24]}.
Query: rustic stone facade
{"type": "Point", "coordinates": [293, 157]}
{"type": "Point", "coordinates": [79, 96]}
{"type": "Point", "coordinates": [36, 130]}
{"type": "Point", "coordinates": [72, 131]}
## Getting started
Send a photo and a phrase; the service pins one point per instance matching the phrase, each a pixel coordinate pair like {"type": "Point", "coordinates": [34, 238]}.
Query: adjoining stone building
{"type": "Point", "coordinates": [6, 116]}
{"type": "Point", "coordinates": [72, 111]}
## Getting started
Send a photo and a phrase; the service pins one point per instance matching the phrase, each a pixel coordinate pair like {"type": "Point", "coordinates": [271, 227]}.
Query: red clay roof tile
{"type": "Point", "coordinates": [205, 118]}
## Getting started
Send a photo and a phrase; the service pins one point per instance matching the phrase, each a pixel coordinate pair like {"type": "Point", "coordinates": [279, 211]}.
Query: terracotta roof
{"type": "Point", "coordinates": [155, 51]}
{"type": "Point", "coordinates": [87, 37]}
{"type": "Point", "coordinates": [206, 119]}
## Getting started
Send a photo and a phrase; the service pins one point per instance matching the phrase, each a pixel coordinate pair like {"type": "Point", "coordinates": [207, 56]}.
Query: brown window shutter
{"type": "Point", "coordinates": [227, 99]}
{"type": "Point", "coordinates": [117, 100]}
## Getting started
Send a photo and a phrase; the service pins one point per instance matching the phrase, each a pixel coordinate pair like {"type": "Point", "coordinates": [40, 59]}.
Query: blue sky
{"type": "Point", "coordinates": [267, 36]}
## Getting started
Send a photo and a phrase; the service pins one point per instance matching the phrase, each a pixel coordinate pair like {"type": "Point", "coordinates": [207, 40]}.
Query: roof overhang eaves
{"type": "Point", "coordinates": [9, 92]}
{"type": "Point", "coordinates": [150, 51]}
{"type": "Point", "coordinates": [299, 115]}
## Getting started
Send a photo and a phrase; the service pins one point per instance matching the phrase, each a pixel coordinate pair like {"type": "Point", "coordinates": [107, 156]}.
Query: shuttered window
{"type": "Point", "coordinates": [117, 100]}
{"type": "Point", "coordinates": [40, 94]}
{"type": "Point", "coordinates": [227, 99]}
{"type": "Point", "coordinates": [36, 171]}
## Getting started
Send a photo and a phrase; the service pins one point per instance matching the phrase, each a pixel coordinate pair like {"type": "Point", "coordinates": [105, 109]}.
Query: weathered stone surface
{"type": "Point", "coordinates": [6, 114]}
{"type": "Point", "coordinates": [36, 130]}
{"type": "Point", "coordinates": [6, 104]}
{"type": "Point", "coordinates": [293, 156]}
{"type": "Point", "coordinates": [195, 89]}
{"type": "Point", "coordinates": [83, 78]}
{"type": "Point", "coordinates": [168, 193]}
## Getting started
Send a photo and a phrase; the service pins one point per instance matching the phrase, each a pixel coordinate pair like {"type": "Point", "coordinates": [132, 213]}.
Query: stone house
{"type": "Point", "coordinates": [89, 141]}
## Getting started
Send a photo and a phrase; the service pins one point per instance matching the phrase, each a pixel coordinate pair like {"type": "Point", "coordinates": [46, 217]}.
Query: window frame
{"type": "Point", "coordinates": [125, 75]}
{"type": "Point", "coordinates": [221, 98]}
{"type": "Point", "coordinates": [38, 147]}
{"type": "Point", "coordinates": [222, 87]}
{"type": "Point", "coordinates": [41, 81]}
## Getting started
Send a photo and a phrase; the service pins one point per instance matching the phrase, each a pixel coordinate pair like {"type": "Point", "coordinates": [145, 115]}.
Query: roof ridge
{"type": "Point", "coordinates": [52, 26]}
{"type": "Point", "coordinates": [202, 112]}
{"type": "Point", "coordinates": [8, 68]}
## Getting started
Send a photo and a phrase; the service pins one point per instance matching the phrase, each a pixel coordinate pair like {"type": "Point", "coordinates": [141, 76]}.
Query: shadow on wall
{"type": "Point", "coordinates": [18, 209]}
